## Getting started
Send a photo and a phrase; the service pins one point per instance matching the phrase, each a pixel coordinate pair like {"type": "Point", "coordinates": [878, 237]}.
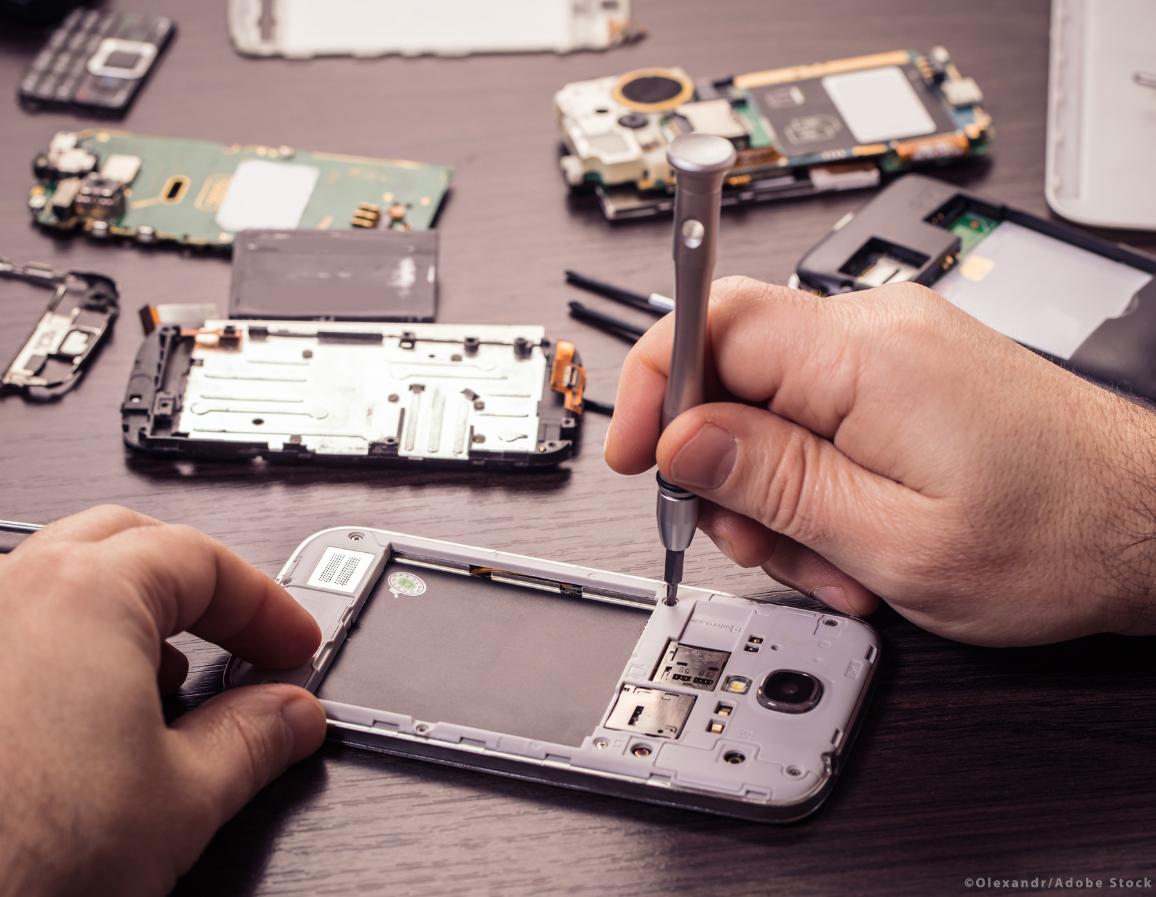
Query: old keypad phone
{"type": "Point", "coordinates": [576, 677]}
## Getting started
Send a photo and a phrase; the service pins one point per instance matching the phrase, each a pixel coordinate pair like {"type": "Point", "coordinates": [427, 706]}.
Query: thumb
{"type": "Point", "coordinates": [751, 461]}
{"type": "Point", "coordinates": [241, 740]}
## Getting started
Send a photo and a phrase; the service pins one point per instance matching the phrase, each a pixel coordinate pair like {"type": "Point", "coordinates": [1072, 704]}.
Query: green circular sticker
{"type": "Point", "coordinates": [410, 584]}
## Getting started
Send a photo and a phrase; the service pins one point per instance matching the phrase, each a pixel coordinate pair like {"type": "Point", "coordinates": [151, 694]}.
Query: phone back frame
{"type": "Point", "coordinates": [786, 762]}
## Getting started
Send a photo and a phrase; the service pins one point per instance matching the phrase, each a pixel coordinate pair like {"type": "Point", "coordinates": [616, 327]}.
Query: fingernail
{"type": "Point", "coordinates": [305, 721]}
{"type": "Point", "coordinates": [706, 460]}
{"type": "Point", "coordinates": [832, 596]}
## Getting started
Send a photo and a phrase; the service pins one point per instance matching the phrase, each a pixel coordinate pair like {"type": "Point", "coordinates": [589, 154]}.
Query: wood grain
{"type": "Point", "coordinates": [973, 762]}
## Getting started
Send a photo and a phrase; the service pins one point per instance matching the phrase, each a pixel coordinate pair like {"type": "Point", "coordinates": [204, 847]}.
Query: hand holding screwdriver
{"type": "Point", "coordinates": [700, 162]}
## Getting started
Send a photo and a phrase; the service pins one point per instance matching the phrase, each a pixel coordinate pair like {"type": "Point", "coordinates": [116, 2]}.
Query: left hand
{"type": "Point", "coordinates": [99, 795]}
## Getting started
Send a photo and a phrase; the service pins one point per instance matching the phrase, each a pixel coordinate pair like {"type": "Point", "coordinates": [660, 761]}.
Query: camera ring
{"type": "Point", "coordinates": [786, 706]}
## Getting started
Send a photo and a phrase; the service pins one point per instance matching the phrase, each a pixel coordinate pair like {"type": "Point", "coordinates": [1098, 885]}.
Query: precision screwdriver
{"type": "Point", "coordinates": [700, 162]}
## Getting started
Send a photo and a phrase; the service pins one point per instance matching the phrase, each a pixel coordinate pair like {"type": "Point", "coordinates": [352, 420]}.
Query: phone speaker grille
{"type": "Point", "coordinates": [340, 569]}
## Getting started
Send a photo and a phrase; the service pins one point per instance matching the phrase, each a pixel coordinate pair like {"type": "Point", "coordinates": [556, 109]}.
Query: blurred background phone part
{"type": "Point", "coordinates": [1102, 112]}
{"type": "Point", "coordinates": [96, 62]}
{"type": "Point", "coordinates": [300, 29]}
{"type": "Point", "coordinates": [67, 333]}
{"type": "Point", "coordinates": [109, 184]}
{"type": "Point", "coordinates": [805, 129]}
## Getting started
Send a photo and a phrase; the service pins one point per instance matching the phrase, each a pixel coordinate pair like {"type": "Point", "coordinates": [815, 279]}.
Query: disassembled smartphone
{"type": "Point", "coordinates": [304, 28]}
{"type": "Point", "coordinates": [96, 62]}
{"type": "Point", "coordinates": [576, 677]}
{"type": "Point", "coordinates": [800, 130]}
{"type": "Point", "coordinates": [1079, 300]}
{"type": "Point", "coordinates": [198, 193]}
{"type": "Point", "coordinates": [79, 317]}
{"type": "Point", "coordinates": [469, 395]}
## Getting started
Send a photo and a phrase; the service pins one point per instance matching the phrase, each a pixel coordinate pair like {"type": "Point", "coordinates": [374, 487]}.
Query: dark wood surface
{"type": "Point", "coordinates": [972, 763]}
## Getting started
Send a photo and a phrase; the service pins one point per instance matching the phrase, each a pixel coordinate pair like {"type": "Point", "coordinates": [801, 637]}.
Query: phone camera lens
{"type": "Point", "coordinates": [790, 691]}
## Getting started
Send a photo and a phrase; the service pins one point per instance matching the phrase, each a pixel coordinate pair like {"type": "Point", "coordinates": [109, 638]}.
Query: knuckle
{"type": "Point", "coordinates": [910, 294]}
{"type": "Point", "coordinates": [71, 572]}
{"type": "Point", "coordinates": [735, 287]}
{"type": "Point", "coordinates": [787, 499]}
{"type": "Point", "coordinates": [202, 809]}
{"type": "Point", "coordinates": [119, 515]}
{"type": "Point", "coordinates": [181, 532]}
{"type": "Point", "coordinates": [258, 754]}
{"type": "Point", "coordinates": [736, 296]}
{"type": "Point", "coordinates": [749, 556]}
{"type": "Point", "coordinates": [909, 315]}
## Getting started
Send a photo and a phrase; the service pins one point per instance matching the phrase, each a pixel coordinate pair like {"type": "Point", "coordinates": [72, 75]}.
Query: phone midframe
{"type": "Point", "coordinates": [517, 691]}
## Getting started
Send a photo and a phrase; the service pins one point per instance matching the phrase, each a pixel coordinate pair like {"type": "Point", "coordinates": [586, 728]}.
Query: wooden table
{"type": "Point", "coordinates": [973, 762]}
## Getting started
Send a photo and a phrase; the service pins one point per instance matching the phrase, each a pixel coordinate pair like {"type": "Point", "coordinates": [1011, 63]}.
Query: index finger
{"type": "Point", "coordinates": [187, 581]}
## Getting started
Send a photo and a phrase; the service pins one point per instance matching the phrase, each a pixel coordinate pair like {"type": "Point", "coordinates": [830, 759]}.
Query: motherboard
{"type": "Point", "coordinates": [199, 193]}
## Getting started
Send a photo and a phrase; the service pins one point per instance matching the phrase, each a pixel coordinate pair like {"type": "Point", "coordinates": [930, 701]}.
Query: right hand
{"type": "Point", "coordinates": [885, 443]}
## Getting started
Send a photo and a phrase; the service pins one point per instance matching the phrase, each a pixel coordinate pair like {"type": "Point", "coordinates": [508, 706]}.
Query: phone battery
{"type": "Point", "coordinates": [323, 275]}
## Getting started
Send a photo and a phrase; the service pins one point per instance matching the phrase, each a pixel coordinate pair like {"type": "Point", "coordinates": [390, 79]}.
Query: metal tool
{"type": "Point", "coordinates": [655, 303]}
{"type": "Point", "coordinates": [16, 526]}
{"type": "Point", "coordinates": [700, 162]}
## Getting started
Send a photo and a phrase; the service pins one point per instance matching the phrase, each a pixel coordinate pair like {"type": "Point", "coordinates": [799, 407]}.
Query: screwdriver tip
{"type": "Point", "coordinates": [673, 576]}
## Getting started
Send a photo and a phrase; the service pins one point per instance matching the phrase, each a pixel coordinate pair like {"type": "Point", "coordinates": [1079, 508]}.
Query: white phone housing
{"type": "Point", "coordinates": [1102, 112]}
{"type": "Point", "coordinates": [712, 744]}
{"type": "Point", "coordinates": [305, 28]}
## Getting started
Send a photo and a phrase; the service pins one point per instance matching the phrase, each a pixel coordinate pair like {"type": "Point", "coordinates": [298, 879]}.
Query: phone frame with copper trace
{"type": "Point", "coordinates": [576, 677]}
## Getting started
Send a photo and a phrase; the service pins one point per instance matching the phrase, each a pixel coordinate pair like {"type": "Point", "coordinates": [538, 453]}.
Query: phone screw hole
{"type": "Point", "coordinates": [734, 757]}
{"type": "Point", "coordinates": [775, 647]}
{"type": "Point", "coordinates": [601, 743]}
{"type": "Point", "coordinates": [640, 750]}
{"type": "Point", "coordinates": [357, 537]}
{"type": "Point", "coordinates": [257, 421]}
{"type": "Point", "coordinates": [830, 622]}
{"type": "Point", "coordinates": [794, 772]}
{"type": "Point", "coordinates": [421, 728]}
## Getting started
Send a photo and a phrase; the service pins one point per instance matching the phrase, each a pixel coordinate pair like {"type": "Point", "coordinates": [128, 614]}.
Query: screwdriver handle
{"type": "Point", "coordinates": [700, 163]}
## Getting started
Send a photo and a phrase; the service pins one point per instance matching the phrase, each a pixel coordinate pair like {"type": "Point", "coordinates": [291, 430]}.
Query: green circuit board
{"type": "Point", "coordinates": [972, 228]}
{"type": "Point", "coordinates": [200, 193]}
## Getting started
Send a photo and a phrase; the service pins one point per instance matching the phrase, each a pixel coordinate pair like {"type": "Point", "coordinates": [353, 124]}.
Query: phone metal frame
{"type": "Point", "coordinates": [790, 760]}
